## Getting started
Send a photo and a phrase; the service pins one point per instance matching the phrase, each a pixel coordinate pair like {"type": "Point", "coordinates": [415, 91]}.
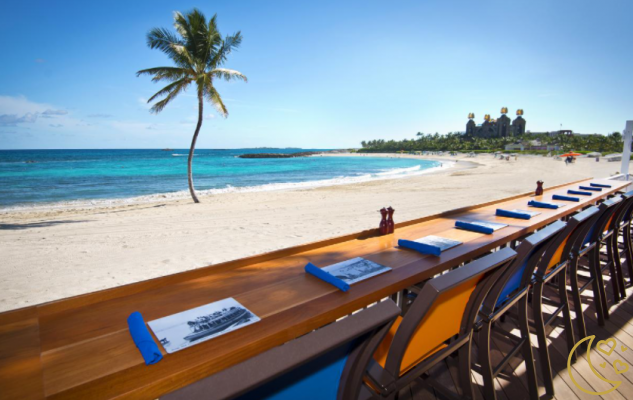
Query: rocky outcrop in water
{"type": "Point", "coordinates": [278, 155]}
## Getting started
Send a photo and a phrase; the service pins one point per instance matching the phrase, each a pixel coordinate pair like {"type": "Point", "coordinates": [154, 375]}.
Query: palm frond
{"type": "Point", "coordinates": [233, 42]}
{"type": "Point", "coordinates": [168, 43]}
{"type": "Point", "coordinates": [159, 106]}
{"type": "Point", "coordinates": [171, 90]}
{"type": "Point", "coordinates": [162, 39]}
{"type": "Point", "coordinates": [213, 41]}
{"type": "Point", "coordinates": [198, 26]}
{"type": "Point", "coordinates": [181, 24]}
{"type": "Point", "coordinates": [228, 74]}
{"type": "Point", "coordinates": [193, 28]}
{"type": "Point", "coordinates": [164, 73]}
{"type": "Point", "coordinates": [229, 44]}
{"type": "Point", "coordinates": [186, 56]}
{"type": "Point", "coordinates": [214, 98]}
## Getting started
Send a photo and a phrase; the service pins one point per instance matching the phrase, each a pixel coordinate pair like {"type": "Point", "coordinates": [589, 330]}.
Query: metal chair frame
{"type": "Point", "coordinates": [575, 231]}
{"type": "Point", "coordinates": [388, 381]}
{"type": "Point", "coordinates": [529, 253]}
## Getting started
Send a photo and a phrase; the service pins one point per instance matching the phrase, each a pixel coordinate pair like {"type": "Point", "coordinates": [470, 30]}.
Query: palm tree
{"type": "Point", "coordinates": [199, 52]}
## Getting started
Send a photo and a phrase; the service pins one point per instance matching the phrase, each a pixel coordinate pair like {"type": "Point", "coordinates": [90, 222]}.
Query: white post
{"type": "Point", "coordinates": [626, 151]}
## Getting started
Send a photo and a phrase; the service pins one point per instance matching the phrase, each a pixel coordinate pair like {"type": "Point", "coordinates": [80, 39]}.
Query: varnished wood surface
{"type": "Point", "coordinates": [81, 348]}
{"type": "Point", "coordinates": [20, 368]}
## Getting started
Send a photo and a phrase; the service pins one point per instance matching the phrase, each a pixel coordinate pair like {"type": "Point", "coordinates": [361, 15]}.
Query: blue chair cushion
{"type": "Point", "coordinates": [318, 379]}
{"type": "Point", "coordinates": [588, 237]}
{"type": "Point", "coordinates": [512, 285]}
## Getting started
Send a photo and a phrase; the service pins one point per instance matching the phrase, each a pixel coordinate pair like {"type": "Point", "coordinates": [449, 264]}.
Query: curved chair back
{"type": "Point", "coordinates": [517, 277]}
{"type": "Point", "coordinates": [608, 210]}
{"type": "Point", "coordinates": [569, 241]}
{"type": "Point", "coordinates": [324, 364]}
{"type": "Point", "coordinates": [623, 215]}
{"type": "Point", "coordinates": [443, 312]}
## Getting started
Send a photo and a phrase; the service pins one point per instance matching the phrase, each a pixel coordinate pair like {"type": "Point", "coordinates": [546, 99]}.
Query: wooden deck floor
{"type": "Point", "coordinates": [511, 384]}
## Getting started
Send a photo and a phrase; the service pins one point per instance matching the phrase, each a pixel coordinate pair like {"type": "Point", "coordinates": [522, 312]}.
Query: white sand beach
{"type": "Point", "coordinates": [48, 254]}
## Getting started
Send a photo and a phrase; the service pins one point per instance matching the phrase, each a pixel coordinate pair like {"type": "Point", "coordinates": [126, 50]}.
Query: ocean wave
{"type": "Point", "coordinates": [396, 173]}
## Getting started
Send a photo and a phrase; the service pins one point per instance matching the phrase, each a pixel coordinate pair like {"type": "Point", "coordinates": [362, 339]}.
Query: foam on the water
{"type": "Point", "coordinates": [395, 173]}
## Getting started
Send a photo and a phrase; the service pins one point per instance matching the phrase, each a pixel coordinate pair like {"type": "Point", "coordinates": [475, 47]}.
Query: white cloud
{"type": "Point", "coordinates": [44, 121]}
{"type": "Point", "coordinates": [21, 105]}
{"type": "Point", "coordinates": [18, 111]}
{"type": "Point", "coordinates": [14, 119]}
{"type": "Point", "coordinates": [51, 112]}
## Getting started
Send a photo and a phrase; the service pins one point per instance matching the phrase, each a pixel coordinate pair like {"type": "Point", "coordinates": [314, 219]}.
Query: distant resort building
{"type": "Point", "coordinates": [531, 145]}
{"type": "Point", "coordinates": [496, 128]}
{"type": "Point", "coordinates": [562, 132]}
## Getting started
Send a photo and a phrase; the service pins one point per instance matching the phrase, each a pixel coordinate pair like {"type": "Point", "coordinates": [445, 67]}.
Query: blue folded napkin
{"type": "Point", "coordinates": [579, 192]}
{"type": "Point", "coordinates": [143, 339]}
{"type": "Point", "coordinates": [327, 277]}
{"type": "Point", "coordinates": [474, 227]}
{"type": "Point", "coordinates": [566, 198]}
{"type": "Point", "coordinates": [420, 247]}
{"type": "Point", "coordinates": [599, 185]}
{"type": "Point", "coordinates": [512, 214]}
{"type": "Point", "coordinates": [541, 204]}
{"type": "Point", "coordinates": [595, 189]}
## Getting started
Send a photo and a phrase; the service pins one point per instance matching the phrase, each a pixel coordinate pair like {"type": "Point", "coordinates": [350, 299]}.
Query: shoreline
{"type": "Point", "coordinates": [446, 166]}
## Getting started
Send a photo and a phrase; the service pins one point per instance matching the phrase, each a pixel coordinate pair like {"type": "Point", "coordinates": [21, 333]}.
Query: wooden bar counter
{"type": "Point", "coordinates": [80, 347]}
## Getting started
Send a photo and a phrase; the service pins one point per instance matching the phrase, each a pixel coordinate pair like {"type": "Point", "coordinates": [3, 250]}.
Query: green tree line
{"type": "Point", "coordinates": [457, 141]}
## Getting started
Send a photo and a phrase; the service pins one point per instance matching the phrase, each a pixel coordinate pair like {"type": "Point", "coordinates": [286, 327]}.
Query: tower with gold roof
{"type": "Point", "coordinates": [470, 125]}
{"type": "Point", "coordinates": [518, 125]}
{"type": "Point", "coordinates": [503, 124]}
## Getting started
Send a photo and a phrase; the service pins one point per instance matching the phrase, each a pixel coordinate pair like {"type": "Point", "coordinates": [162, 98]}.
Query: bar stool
{"type": "Point", "coordinates": [437, 325]}
{"type": "Point", "coordinates": [617, 227]}
{"type": "Point", "coordinates": [624, 232]}
{"type": "Point", "coordinates": [552, 265]}
{"type": "Point", "coordinates": [512, 289]}
{"type": "Point", "coordinates": [587, 257]}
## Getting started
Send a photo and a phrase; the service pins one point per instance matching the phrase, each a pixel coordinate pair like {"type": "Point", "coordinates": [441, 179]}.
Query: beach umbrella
{"type": "Point", "coordinates": [570, 155]}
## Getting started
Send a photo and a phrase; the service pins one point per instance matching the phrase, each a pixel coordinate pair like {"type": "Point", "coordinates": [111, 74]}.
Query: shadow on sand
{"type": "Point", "coordinates": [43, 224]}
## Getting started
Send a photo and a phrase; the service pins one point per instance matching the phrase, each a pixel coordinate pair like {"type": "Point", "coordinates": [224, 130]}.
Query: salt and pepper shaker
{"type": "Point", "coordinates": [539, 188]}
{"type": "Point", "coordinates": [383, 228]}
{"type": "Point", "coordinates": [391, 226]}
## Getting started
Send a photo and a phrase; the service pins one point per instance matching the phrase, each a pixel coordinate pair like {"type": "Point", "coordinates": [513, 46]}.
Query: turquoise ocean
{"type": "Point", "coordinates": [40, 177]}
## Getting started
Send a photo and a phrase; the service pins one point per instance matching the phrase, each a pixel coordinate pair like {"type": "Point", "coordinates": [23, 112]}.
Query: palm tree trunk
{"type": "Point", "coordinates": [192, 190]}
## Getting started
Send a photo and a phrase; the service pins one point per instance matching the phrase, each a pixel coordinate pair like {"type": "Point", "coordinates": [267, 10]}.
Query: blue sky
{"type": "Point", "coordinates": [323, 74]}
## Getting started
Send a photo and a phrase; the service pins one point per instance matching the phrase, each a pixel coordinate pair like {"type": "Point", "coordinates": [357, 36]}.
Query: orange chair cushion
{"type": "Point", "coordinates": [557, 255]}
{"type": "Point", "coordinates": [606, 227]}
{"type": "Point", "coordinates": [441, 322]}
